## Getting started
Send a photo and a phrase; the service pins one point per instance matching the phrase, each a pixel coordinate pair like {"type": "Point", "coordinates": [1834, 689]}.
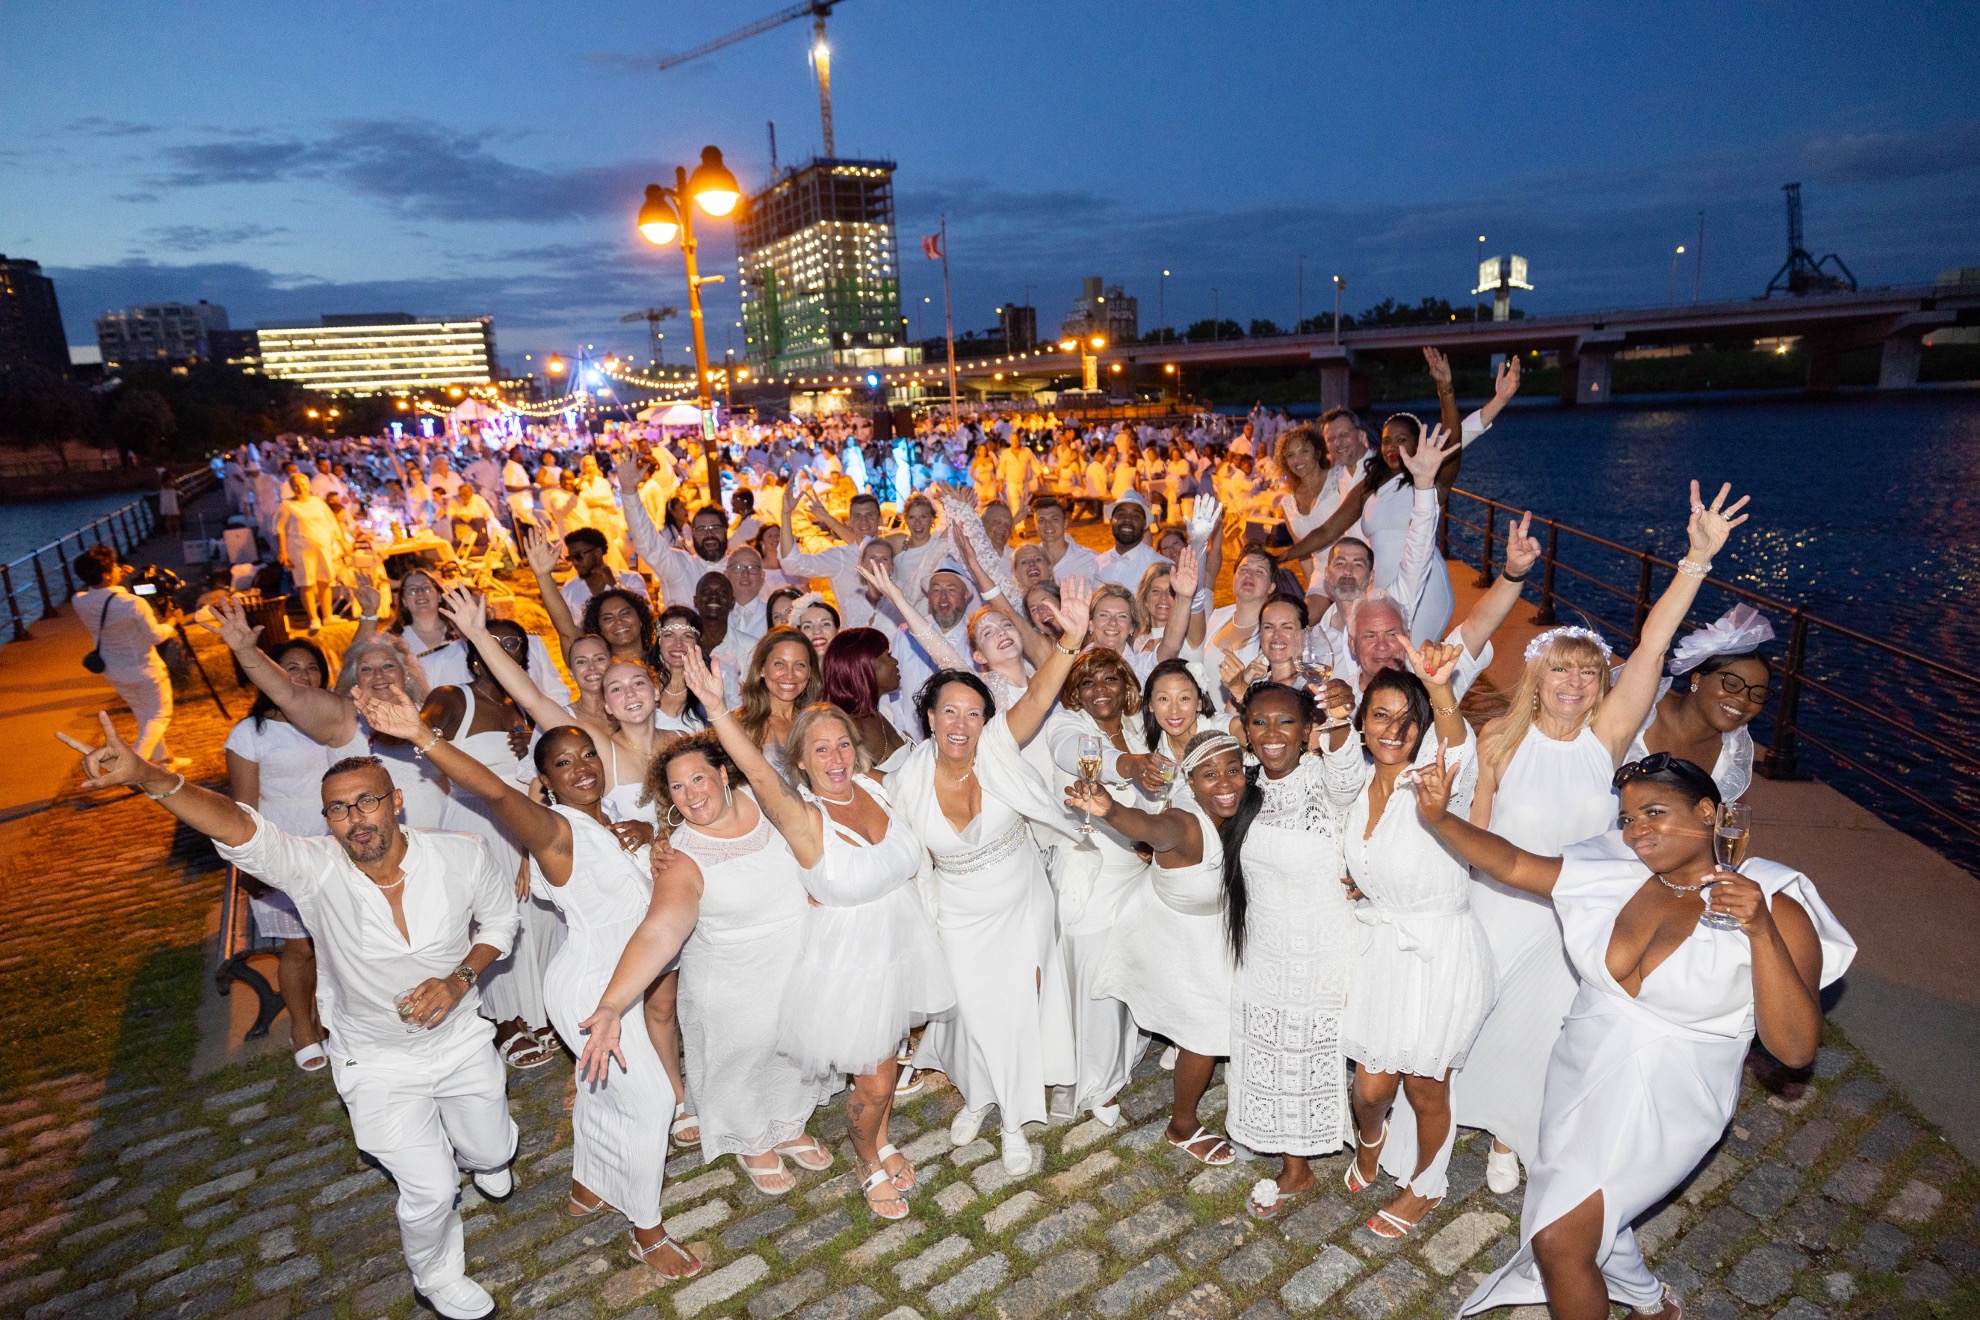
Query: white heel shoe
{"type": "Point", "coordinates": [966, 1124]}
{"type": "Point", "coordinates": [1017, 1154]}
{"type": "Point", "coordinates": [1168, 1060]}
{"type": "Point", "coordinates": [1502, 1171]}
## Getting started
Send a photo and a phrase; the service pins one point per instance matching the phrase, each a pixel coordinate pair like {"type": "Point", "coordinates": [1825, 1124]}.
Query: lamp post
{"type": "Point", "coordinates": [1672, 295]}
{"type": "Point", "coordinates": [1162, 300]}
{"type": "Point", "coordinates": [1340, 287]}
{"type": "Point", "coordinates": [666, 213]}
{"type": "Point", "coordinates": [1088, 347]}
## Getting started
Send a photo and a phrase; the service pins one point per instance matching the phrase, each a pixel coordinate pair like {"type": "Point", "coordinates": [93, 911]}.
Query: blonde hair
{"type": "Point", "coordinates": [1498, 746]}
{"type": "Point", "coordinates": [1137, 622]}
{"type": "Point", "coordinates": [815, 714]}
{"type": "Point", "coordinates": [1155, 574]}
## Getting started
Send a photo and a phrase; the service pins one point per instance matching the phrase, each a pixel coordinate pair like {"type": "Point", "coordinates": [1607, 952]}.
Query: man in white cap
{"type": "Point", "coordinates": [1131, 556]}
{"type": "Point", "coordinates": [405, 921]}
{"type": "Point", "coordinates": [949, 596]}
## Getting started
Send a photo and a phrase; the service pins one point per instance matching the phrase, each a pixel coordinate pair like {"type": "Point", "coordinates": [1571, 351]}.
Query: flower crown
{"type": "Point", "coordinates": [1539, 644]}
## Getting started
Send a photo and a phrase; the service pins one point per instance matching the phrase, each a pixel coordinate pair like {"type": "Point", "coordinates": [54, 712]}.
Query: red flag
{"type": "Point", "coordinates": [931, 246]}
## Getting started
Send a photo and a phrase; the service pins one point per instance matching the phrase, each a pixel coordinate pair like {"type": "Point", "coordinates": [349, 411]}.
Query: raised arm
{"type": "Point", "coordinates": [1183, 618]}
{"type": "Point", "coordinates": [543, 833]}
{"type": "Point", "coordinates": [542, 559]}
{"type": "Point", "coordinates": [1334, 528]}
{"type": "Point", "coordinates": [1509, 865]}
{"type": "Point", "coordinates": [1036, 645]}
{"type": "Point", "coordinates": [1027, 716]}
{"type": "Point", "coordinates": [1622, 713]}
{"type": "Point", "coordinates": [670, 919]}
{"type": "Point", "coordinates": [115, 764]}
{"type": "Point", "coordinates": [468, 613]}
{"type": "Point", "coordinates": [823, 517]}
{"type": "Point", "coordinates": [323, 714]}
{"type": "Point", "coordinates": [1434, 663]}
{"type": "Point", "coordinates": [1173, 832]}
{"type": "Point", "coordinates": [795, 819]}
{"type": "Point", "coordinates": [646, 538]}
{"type": "Point", "coordinates": [932, 641]}
{"type": "Point", "coordinates": [1503, 390]}
{"type": "Point", "coordinates": [1492, 609]}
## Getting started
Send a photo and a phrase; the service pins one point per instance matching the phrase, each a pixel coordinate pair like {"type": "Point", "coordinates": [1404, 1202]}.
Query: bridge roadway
{"type": "Point", "coordinates": [1587, 342]}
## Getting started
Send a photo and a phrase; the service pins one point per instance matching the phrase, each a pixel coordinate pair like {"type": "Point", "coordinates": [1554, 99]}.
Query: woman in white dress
{"type": "Point", "coordinates": [1543, 782]}
{"type": "Point", "coordinates": [278, 770]}
{"type": "Point", "coordinates": [1293, 940]}
{"type": "Point", "coordinates": [1099, 701]}
{"type": "Point", "coordinates": [1720, 682]}
{"type": "Point", "coordinates": [594, 869]}
{"type": "Point", "coordinates": [1645, 1076]}
{"type": "Point", "coordinates": [1166, 596]}
{"type": "Point", "coordinates": [870, 967]}
{"type": "Point", "coordinates": [859, 672]}
{"type": "Point", "coordinates": [1169, 959]}
{"type": "Point", "coordinates": [1174, 709]}
{"type": "Point", "coordinates": [1422, 980]}
{"type": "Point", "coordinates": [782, 680]}
{"type": "Point", "coordinates": [972, 799]}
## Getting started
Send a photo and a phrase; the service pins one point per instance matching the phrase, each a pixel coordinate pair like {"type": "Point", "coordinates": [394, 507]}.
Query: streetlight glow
{"type": "Point", "coordinates": [1068, 345]}
{"type": "Point", "coordinates": [1098, 341]}
{"type": "Point", "coordinates": [656, 219]}
{"type": "Point", "coordinates": [712, 185]}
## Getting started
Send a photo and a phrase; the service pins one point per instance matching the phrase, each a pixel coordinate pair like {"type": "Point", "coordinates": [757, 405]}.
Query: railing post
{"type": "Point", "coordinates": [1782, 762]}
{"type": "Point", "coordinates": [41, 580]}
{"type": "Point", "coordinates": [68, 578]}
{"type": "Point", "coordinates": [1485, 550]}
{"type": "Point", "coordinates": [1545, 614]}
{"type": "Point", "coordinates": [13, 602]}
{"type": "Point", "coordinates": [1642, 599]}
{"type": "Point", "coordinates": [96, 527]}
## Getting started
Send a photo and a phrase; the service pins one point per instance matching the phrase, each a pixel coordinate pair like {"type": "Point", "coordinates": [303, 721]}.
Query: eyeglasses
{"type": "Point", "coordinates": [1654, 764]}
{"type": "Point", "coordinates": [513, 645]}
{"type": "Point", "coordinates": [366, 804]}
{"type": "Point", "coordinates": [1735, 686]}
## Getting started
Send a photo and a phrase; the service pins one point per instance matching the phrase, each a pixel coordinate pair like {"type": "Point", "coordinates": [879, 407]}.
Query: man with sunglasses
{"type": "Point", "coordinates": [405, 922]}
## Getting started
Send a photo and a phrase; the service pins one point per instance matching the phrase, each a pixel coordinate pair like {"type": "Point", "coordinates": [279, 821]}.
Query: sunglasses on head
{"type": "Point", "coordinates": [1654, 764]}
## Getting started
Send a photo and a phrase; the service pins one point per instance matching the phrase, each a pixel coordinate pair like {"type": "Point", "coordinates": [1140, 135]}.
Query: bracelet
{"type": "Point", "coordinates": [422, 751]}
{"type": "Point", "coordinates": [160, 797]}
{"type": "Point", "coordinates": [367, 618]}
{"type": "Point", "coordinates": [1066, 650]}
{"type": "Point", "coordinates": [992, 592]}
{"type": "Point", "coordinates": [1515, 577]}
{"type": "Point", "coordinates": [1692, 568]}
{"type": "Point", "coordinates": [1443, 710]}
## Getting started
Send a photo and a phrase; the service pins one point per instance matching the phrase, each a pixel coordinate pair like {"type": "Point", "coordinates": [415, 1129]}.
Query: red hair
{"type": "Point", "coordinates": [850, 681]}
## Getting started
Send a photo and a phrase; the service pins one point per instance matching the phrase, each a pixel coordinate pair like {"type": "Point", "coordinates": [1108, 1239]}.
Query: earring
{"type": "Point", "coordinates": [1694, 685]}
{"type": "Point", "coordinates": [550, 793]}
{"type": "Point", "coordinates": [674, 818]}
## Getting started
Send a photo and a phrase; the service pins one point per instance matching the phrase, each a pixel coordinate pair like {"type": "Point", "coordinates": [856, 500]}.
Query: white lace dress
{"type": "Point", "coordinates": [619, 1125]}
{"type": "Point", "coordinates": [871, 966]}
{"type": "Point", "coordinates": [1423, 976]}
{"type": "Point", "coordinates": [750, 1097]}
{"type": "Point", "coordinates": [1287, 1076]}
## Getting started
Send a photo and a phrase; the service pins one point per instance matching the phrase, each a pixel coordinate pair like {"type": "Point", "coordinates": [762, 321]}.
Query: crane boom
{"type": "Point", "coordinates": [809, 9]}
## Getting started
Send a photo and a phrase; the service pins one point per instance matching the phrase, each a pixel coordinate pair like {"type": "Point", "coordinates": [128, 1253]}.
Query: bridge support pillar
{"type": "Point", "coordinates": [1341, 386]}
{"type": "Point", "coordinates": [1824, 367]}
{"type": "Point", "coordinates": [1899, 369]}
{"type": "Point", "coordinates": [1586, 377]}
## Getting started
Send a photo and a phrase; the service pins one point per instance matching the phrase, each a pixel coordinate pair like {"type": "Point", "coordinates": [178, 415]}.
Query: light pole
{"type": "Point", "coordinates": [666, 213]}
{"type": "Point", "coordinates": [1162, 300]}
{"type": "Point", "coordinates": [1481, 278]}
{"type": "Point", "coordinates": [1672, 295]}
{"type": "Point", "coordinates": [1088, 349]}
{"type": "Point", "coordinates": [1340, 287]}
{"type": "Point", "coordinates": [1299, 318]}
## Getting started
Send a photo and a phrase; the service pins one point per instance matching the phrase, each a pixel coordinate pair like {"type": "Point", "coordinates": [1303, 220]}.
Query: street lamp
{"type": "Point", "coordinates": [666, 213]}
{"type": "Point", "coordinates": [1340, 287]}
{"type": "Point", "coordinates": [1672, 296]}
{"type": "Point", "coordinates": [1162, 300]}
{"type": "Point", "coordinates": [1088, 349]}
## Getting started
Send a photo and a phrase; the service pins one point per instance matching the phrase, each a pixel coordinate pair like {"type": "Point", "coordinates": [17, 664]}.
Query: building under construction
{"type": "Point", "coordinates": [821, 271]}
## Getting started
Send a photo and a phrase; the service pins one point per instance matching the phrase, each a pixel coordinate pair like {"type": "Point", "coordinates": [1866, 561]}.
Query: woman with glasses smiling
{"type": "Point", "coordinates": [1703, 718]}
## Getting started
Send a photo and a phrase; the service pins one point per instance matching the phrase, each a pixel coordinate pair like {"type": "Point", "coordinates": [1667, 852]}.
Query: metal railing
{"type": "Point", "coordinates": [38, 584]}
{"type": "Point", "coordinates": [1898, 730]}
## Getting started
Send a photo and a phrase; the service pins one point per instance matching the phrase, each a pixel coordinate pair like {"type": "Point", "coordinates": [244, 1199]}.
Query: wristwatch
{"type": "Point", "coordinates": [465, 974]}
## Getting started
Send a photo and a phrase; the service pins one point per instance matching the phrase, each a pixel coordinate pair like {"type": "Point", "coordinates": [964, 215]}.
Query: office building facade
{"type": "Point", "coordinates": [383, 353]}
{"type": "Point", "coordinates": [819, 266]}
{"type": "Point", "coordinates": [163, 334]}
{"type": "Point", "coordinates": [1104, 309]}
{"type": "Point", "coordinates": [30, 318]}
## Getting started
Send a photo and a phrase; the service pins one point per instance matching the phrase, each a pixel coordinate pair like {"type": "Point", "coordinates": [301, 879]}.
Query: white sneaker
{"type": "Point", "coordinates": [1169, 1058]}
{"type": "Point", "coordinates": [496, 1184]}
{"type": "Point", "coordinates": [463, 1299]}
{"type": "Point", "coordinates": [1502, 1171]}
{"type": "Point", "coordinates": [966, 1124]}
{"type": "Point", "coordinates": [1107, 1115]}
{"type": "Point", "coordinates": [1017, 1153]}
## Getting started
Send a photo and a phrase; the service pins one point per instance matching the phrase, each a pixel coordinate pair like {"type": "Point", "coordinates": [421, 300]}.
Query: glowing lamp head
{"type": "Point", "coordinates": [656, 219]}
{"type": "Point", "coordinates": [555, 366]}
{"type": "Point", "coordinates": [1069, 345]}
{"type": "Point", "coordinates": [711, 184]}
{"type": "Point", "coordinates": [1098, 341]}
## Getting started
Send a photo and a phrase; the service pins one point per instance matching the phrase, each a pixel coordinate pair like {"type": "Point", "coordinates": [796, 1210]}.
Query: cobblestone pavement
{"type": "Point", "coordinates": [242, 1195]}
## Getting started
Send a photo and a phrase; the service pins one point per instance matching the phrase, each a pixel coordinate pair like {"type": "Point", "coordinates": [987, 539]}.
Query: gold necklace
{"type": "Point", "coordinates": [1677, 889]}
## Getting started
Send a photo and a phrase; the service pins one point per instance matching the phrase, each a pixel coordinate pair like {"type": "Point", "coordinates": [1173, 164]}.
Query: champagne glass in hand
{"type": "Point", "coordinates": [1732, 836]}
{"type": "Point", "coordinates": [1089, 773]}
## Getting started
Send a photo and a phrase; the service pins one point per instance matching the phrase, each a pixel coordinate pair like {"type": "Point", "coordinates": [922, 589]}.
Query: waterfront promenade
{"type": "Point", "coordinates": [128, 1187]}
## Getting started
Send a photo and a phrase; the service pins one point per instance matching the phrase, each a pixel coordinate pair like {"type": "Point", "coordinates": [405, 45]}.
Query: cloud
{"type": "Point", "coordinates": [135, 198]}
{"type": "Point", "coordinates": [98, 126]}
{"type": "Point", "coordinates": [421, 170]}
{"type": "Point", "coordinates": [199, 238]}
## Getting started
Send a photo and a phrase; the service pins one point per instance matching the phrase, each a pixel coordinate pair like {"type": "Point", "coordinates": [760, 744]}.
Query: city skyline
{"type": "Point", "coordinates": [301, 165]}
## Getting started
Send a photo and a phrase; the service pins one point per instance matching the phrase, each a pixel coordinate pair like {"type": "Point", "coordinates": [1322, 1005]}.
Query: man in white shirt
{"type": "Point", "coordinates": [1017, 468]}
{"type": "Point", "coordinates": [727, 649]}
{"type": "Point", "coordinates": [750, 617]}
{"type": "Point", "coordinates": [585, 549]}
{"type": "Point", "coordinates": [405, 922]}
{"type": "Point", "coordinates": [949, 596]}
{"type": "Point", "coordinates": [837, 563]}
{"type": "Point", "coordinates": [518, 491]}
{"type": "Point", "coordinates": [307, 535]}
{"type": "Point", "coordinates": [324, 480]}
{"type": "Point", "coordinates": [485, 475]}
{"type": "Point", "coordinates": [1131, 556]}
{"type": "Point", "coordinates": [1068, 559]}
{"type": "Point", "coordinates": [126, 634]}
{"type": "Point", "coordinates": [678, 570]}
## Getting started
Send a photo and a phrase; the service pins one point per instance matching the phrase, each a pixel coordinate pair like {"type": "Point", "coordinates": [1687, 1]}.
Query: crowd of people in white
{"type": "Point", "coordinates": [1006, 809]}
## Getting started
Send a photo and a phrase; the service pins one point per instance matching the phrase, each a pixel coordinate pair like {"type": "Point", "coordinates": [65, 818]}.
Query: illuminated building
{"type": "Point", "coordinates": [381, 353]}
{"type": "Point", "coordinates": [1105, 311]}
{"type": "Point", "coordinates": [170, 333]}
{"type": "Point", "coordinates": [30, 320]}
{"type": "Point", "coordinates": [820, 270]}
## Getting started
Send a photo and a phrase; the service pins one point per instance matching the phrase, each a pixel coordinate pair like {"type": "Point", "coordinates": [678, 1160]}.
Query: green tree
{"type": "Point", "coordinates": [141, 421]}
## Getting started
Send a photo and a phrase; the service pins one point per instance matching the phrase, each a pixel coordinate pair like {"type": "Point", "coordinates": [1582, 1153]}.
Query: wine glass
{"type": "Point", "coordinates": [1732, 835]}
{"type": "Point", "coordinates": [1089, 772]}
{"type": "Point", "coordinates": [1316, 667]}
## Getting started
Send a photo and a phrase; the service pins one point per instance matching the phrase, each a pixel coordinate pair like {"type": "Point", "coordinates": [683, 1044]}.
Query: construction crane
{"type": "Point", "coordinates": [1802, 273]}
{"type": "Point", "coordinates": [653, 316]}
{"type": "Point", "coordinates": [821, 54]}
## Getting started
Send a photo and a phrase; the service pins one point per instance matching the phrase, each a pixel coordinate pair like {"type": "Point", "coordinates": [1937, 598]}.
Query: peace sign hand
{"type": "Point", "coordinates": [1433, 787]}
{"type": "Point", "coordinates": [1522, 549]}
{"type": "Point", "coordinates": [114, 764]}
{"type": "Point", "coordinates": [1711, 526]}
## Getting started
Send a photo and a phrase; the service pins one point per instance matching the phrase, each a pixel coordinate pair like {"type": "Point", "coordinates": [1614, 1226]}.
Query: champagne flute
{"type": "Point", "coordinates": [1316, 666]}
{"type": "Point", "coordinates": [1732, 836]}
{"type": "Point", "coordinates": [1089, 772]}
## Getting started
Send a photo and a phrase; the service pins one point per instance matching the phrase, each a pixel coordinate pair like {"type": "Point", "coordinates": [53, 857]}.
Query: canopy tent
{"type": "Point", "coordinates": [672, 414]}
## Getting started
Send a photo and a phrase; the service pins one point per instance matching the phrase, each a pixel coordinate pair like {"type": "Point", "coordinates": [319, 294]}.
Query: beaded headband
{"type": "Point", "coordinates": [1208, 748]}
{"type": "Point", "coordinates": [1539, 644]}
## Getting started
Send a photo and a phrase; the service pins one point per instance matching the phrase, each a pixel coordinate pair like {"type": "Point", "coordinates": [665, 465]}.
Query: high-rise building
{"type": "Point", "coordinates": [382, 353]}
{"type": "Point", "coordinates": [820, 270]}
{"type": "Point", "coordinates": [1020, 327]}
{"type": "Point", "coordinates": [30, 319]}
{"type": "Point", "coordinates": [165, 333]}
{"type": "Point", "coordinates": [1103, 310]}
{"type": "Point", "coordinates": [239, 349]}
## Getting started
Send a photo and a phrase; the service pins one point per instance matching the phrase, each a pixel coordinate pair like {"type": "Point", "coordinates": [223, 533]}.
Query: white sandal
{"type": "Point", "coordinates": [682, 1120]}
{"type": "Point", "coordinates": [639, 1254]}
{"type": "Point", "coordinates": [1266, 1198]}
{"type": "Point", "coordinates": [312, 1059]}
{"type": "Point", "coordinates": [907, 1171]}
{"type": "Point", "coordinates": [1201, 1134]}
{"type": "Point", "coordinates": [1353, 1172]}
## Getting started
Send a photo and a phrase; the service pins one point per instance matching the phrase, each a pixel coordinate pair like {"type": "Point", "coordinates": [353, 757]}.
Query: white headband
{"type": "Point", "coordinates": [1208, 748]}
{"type": "Point", "coordinates": [1739, 631]}
{"type": "Point", "coordinates": [1539, 644]}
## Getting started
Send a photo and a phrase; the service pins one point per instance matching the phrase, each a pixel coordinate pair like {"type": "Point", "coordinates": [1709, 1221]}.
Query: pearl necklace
{"type": "Point", "coordinates": [835, 801]}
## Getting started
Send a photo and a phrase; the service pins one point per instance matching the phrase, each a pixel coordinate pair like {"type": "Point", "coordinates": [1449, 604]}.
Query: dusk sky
{"type": "Point", "coordinates": [441, 159]}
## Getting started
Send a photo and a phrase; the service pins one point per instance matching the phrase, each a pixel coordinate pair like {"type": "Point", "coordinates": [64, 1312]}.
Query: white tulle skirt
{"type": "Point", "coordinates": [867, 974]}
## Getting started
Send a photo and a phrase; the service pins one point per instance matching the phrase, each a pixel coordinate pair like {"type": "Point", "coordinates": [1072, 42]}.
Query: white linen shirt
{"type": "Point", "coordinates": [454, 899]}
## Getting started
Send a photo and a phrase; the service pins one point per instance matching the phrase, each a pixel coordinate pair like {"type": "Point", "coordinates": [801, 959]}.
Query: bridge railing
{"type": "Point", "coordinates": [38, 584]}
{"type": "Point", "coordinates": [1896, 730]}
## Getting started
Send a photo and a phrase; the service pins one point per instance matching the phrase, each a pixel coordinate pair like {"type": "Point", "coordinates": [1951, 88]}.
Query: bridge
{"type": "Point", "coordinates": [1586, 342]}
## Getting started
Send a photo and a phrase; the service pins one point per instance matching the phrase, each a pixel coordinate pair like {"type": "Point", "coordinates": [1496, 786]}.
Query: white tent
{"type": "Point", "coordinates": [672, 414]}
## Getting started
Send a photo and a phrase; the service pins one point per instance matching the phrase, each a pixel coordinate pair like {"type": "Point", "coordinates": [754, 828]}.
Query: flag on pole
{"type": "Point", "coordinates": [931, 246]}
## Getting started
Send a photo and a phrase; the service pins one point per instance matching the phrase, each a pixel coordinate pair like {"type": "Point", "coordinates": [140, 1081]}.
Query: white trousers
{"type": "Point", "coordinates": [150, 699]}
{"type": "Point", "coordinates": [425, 1113]}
